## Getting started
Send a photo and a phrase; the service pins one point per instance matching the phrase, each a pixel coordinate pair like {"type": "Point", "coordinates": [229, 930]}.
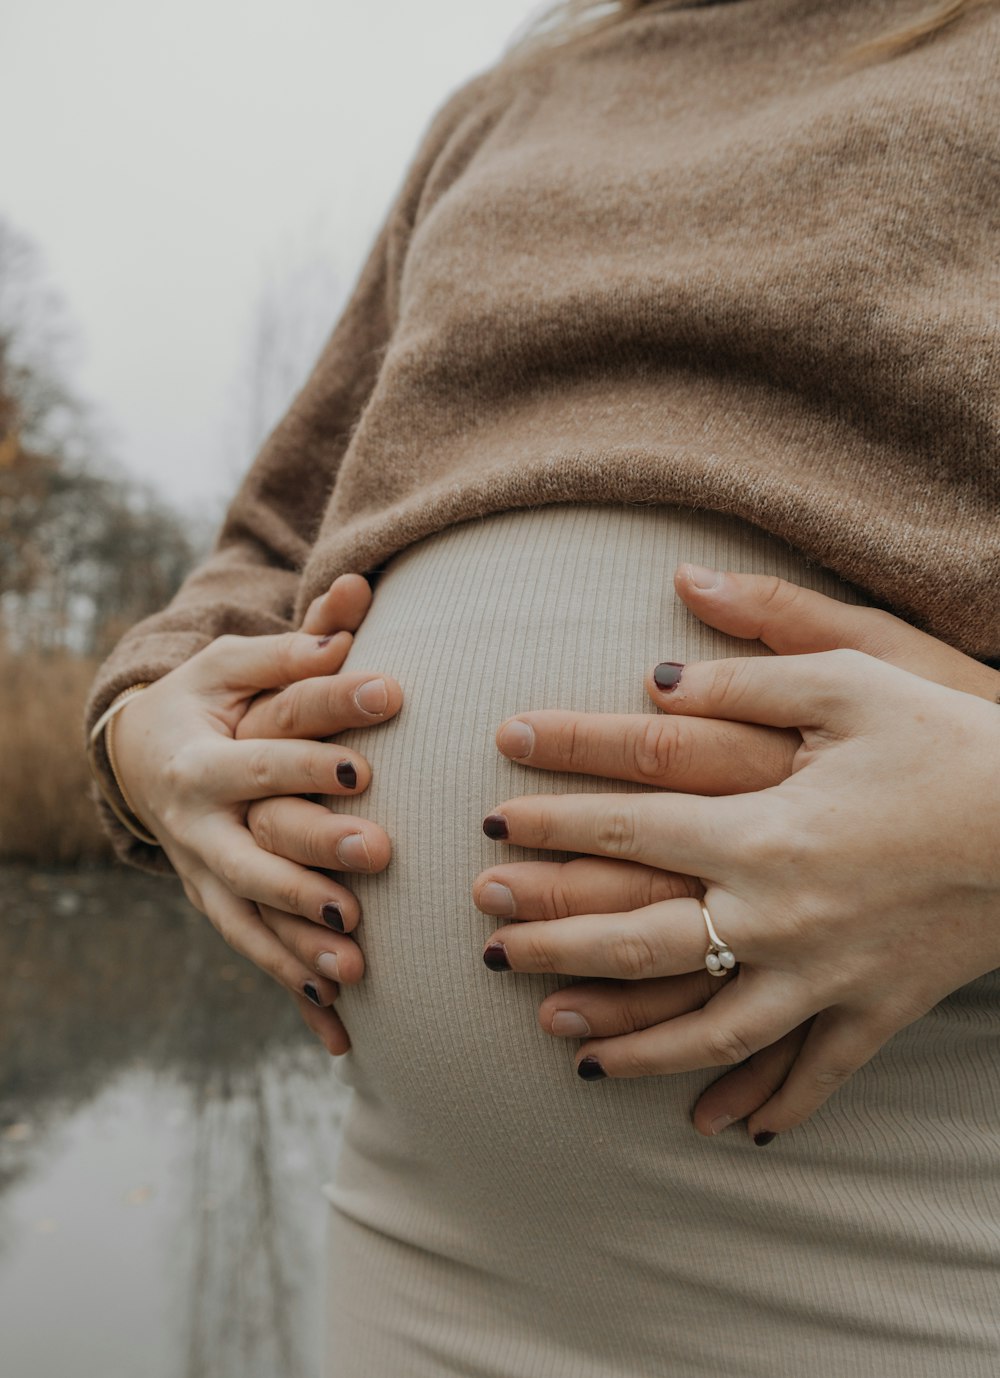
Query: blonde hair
{"type": "Point", "coordinates": [569, 22]}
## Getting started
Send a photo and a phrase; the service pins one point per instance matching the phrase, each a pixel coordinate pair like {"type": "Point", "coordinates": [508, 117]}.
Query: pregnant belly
{"type": "Point", "coordinates": [563, 606]}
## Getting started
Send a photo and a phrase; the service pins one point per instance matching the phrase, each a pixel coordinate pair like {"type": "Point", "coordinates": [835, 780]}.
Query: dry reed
{"type": "Point", "coordinates": [46, 815]}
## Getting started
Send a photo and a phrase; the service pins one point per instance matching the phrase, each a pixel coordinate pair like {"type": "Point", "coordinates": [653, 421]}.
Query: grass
{"type": "Point", "coordinates": [46, 815]}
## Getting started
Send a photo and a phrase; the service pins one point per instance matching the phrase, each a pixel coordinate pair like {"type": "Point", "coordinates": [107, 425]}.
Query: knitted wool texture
{"type": "Point", "coordinates": [698, 260]}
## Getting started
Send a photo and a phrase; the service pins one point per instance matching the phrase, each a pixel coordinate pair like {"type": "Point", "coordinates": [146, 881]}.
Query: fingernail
{"type": "Point", "coordinates": [517, 739]}
{"type": "Point", "coordinates": [347, 775]}
{"type": "Point", "coordinates": [372, 696]}
{"type": "Point", "coordinates": [764, 1136]}
{"type": "Point", "coordinates": [497, 899]}
{"type": "Point", "coordinates": [312, 993]}
{"type": "Point", "coordinates": [720, 1123]}
{"type": "Point", "coordinates": [495, 826]}
{"type": "Point", "coordinates": [333, 916]}
{"type": "Point", "coordinates": [328, 965]}
{"type": "Point", "coordinates": [354, 853]}
{"type": "Point", "coordinates": [590, 1069]}
{"type": "Point", "coordinates": [324, 640]}
{"type": "Point", "coordinates": [667, 675]}
{"type": "Point", "coordinates": [495, 957]}
{"type": "Point", "coordinates": [704, 578]}
{"type": "Point", "coordinates": [570, 1024]}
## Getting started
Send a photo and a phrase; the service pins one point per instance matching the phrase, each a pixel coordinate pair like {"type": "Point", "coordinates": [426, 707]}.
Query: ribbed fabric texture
{"type": "Point", "coordinates": [698, 260]}
{"type": "Point", "coordinates": [494, 1216]}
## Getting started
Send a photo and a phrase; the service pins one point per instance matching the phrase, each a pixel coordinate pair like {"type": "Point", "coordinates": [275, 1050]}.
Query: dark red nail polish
{"type": "Point", "coordinates": [667, 675]}
{"type": "Point", "coordinates": [495, 826]}
{"type": "Point", "coordinates": [495, 957]}
{"type": "Point", "coordinates": [333, 916]}
{"type": "Point", "coordinates": [312, 993]}
{"type": "Point", "coordinates": [347, 775]}
{"type": "Point", "coordinates": [325, 640]}
{"type": "Point", "coordinates": [764, 1136]}
{"type": "Point", "coordinates": [590, 1069]}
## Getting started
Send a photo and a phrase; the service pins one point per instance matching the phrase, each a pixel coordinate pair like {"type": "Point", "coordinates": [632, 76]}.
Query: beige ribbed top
{"type": "Point", "coordinates": [697, 260]}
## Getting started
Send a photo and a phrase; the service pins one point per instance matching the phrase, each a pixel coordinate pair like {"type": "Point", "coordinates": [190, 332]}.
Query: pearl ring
{"type": "Point", "coordinates": [719, 958]}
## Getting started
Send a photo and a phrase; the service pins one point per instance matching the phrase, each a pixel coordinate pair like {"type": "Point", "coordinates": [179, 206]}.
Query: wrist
{"type": "Point", "coordinates": [114, 791]}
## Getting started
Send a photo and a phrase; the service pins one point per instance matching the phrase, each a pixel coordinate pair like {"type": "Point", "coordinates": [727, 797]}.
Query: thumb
{"type": "Point", "coordinates": [792, 620]}
{"type": "Point", "coordinates": [786, 617]}
{"type": "Point", "coordinates": [341, 608]}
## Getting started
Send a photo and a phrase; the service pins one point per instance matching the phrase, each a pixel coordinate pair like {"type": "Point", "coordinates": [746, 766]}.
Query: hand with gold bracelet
{"type": "Point", "coordinates": [213, 761]}
{"type": "Point", "coordinates": [656, 1008]}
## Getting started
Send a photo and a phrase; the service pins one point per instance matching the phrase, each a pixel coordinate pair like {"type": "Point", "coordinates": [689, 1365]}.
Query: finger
{"type": "Point", "coordinates": [555, 889]}
{"type": "Point", "coordinates": [796, 621]}
{"type": "Point", "coordinates": [661, 940]}
{"type": "Point", "coordinates": [325, 1023]}
{"type": "Point", "coordinates": [739, 1093]}
{"type": "Point", "coordinates": [838, 1043]}
{"type": "Point", "coordinates": [830, 690]}
{"type": "Point", "coordinates": [603, 1009]}
{"type": "Point", "coordinates": [689, 754]}
{"type": "Point", "coordinates": [252, 768]}
{"type": "Point", "coordinates": [323, 706]}
{"type": "Point", "coordinates": [254, 874]}
{"type": "Point", "coordinates": [243, 664]}
{"type": "Point", "coordinates": [342, 607]}
{"type": "Point", "coordinates": [310, 834]}
{"type": "Point", "coordinates": [242, 927]}
{"type": "Point", "coordinates": [749, 1012]}
{"type": "Point", "coordinates": [683, 833]}
{"type": "Point", "coordinates": [329, 955]}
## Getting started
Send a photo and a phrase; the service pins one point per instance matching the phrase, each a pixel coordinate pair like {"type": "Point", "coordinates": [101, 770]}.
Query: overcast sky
{"type": "Point", "coordinates": [175, 162]}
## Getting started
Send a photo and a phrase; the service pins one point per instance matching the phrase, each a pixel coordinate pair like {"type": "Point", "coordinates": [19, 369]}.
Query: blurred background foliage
{"type": "Point", "coordinates": [84, 553]}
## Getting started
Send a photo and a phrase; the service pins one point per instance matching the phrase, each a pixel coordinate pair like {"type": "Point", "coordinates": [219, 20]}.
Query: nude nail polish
{"type": "Point", "coordinates": [516, 740]}
{"type": "Point", "coordinates": [569, 1024]}
{"type": "Point", "coordinates": [353, 852]}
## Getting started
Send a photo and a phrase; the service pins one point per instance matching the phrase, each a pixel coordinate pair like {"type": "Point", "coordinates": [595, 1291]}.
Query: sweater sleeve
{"type": "Point", "coordinates": [247, 585]}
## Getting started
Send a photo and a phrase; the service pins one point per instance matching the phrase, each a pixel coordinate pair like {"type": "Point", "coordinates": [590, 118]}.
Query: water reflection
{"type": "Point", "coordinates": [164, 1129]}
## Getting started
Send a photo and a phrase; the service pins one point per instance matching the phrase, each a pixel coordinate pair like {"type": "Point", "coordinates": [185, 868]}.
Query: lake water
{"type": "Point", "coordinates": [166, 1122]}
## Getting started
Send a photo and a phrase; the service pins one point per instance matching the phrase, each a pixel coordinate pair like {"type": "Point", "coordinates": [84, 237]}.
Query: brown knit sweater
{"type": "Point", "coordinates": [697, 260]}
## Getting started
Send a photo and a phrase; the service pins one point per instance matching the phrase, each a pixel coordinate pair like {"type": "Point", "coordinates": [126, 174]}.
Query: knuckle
{"type": "Point", "coordinates": [260, 821]}
{"type": "Point", "coordinates": [830, 1078]}
{"type": "Point", "coordinates": [776, 595]}
{"type": "Point", "coordinates": [292, 896]}
{"type": "Point", "coordinates": [656, 751]}
{"type": "Point", "coordinates": [571, 744]}
{"type": "Point", "coordinates": [634, 956]}
{"type": "Point", "coordinates": [285, 708]}
{"type": "Point", "coordinates": [260, 769]}
{"type": "Point", "coordinates": [633, 1060]}
{"type": "Point", "coordinates": [534, 954]}
{"type": "Point", "coordinates": [618, 831]}
{"type": "Point", "coordinates": [725, 1047]}
{"type": "Point", "coordinates": [183, 771]}
{"type": "Point", "coordinates": [732, 680]}
{"type": "Point", "coordinates": [229, 873]}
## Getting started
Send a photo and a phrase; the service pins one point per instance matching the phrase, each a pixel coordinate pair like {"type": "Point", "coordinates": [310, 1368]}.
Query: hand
{"type": "Point", "coordinates": [787, 618]}
{"type": "Point", "coordinates": [196, 781]}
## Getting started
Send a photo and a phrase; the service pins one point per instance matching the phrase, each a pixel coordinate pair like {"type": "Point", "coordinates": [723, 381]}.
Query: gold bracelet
{"type": "Point", "coordinates": [103, 724]}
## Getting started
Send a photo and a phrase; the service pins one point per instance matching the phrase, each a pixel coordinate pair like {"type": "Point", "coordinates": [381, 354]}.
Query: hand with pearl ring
{"type": "Point", "coordinates": [793, 873]}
